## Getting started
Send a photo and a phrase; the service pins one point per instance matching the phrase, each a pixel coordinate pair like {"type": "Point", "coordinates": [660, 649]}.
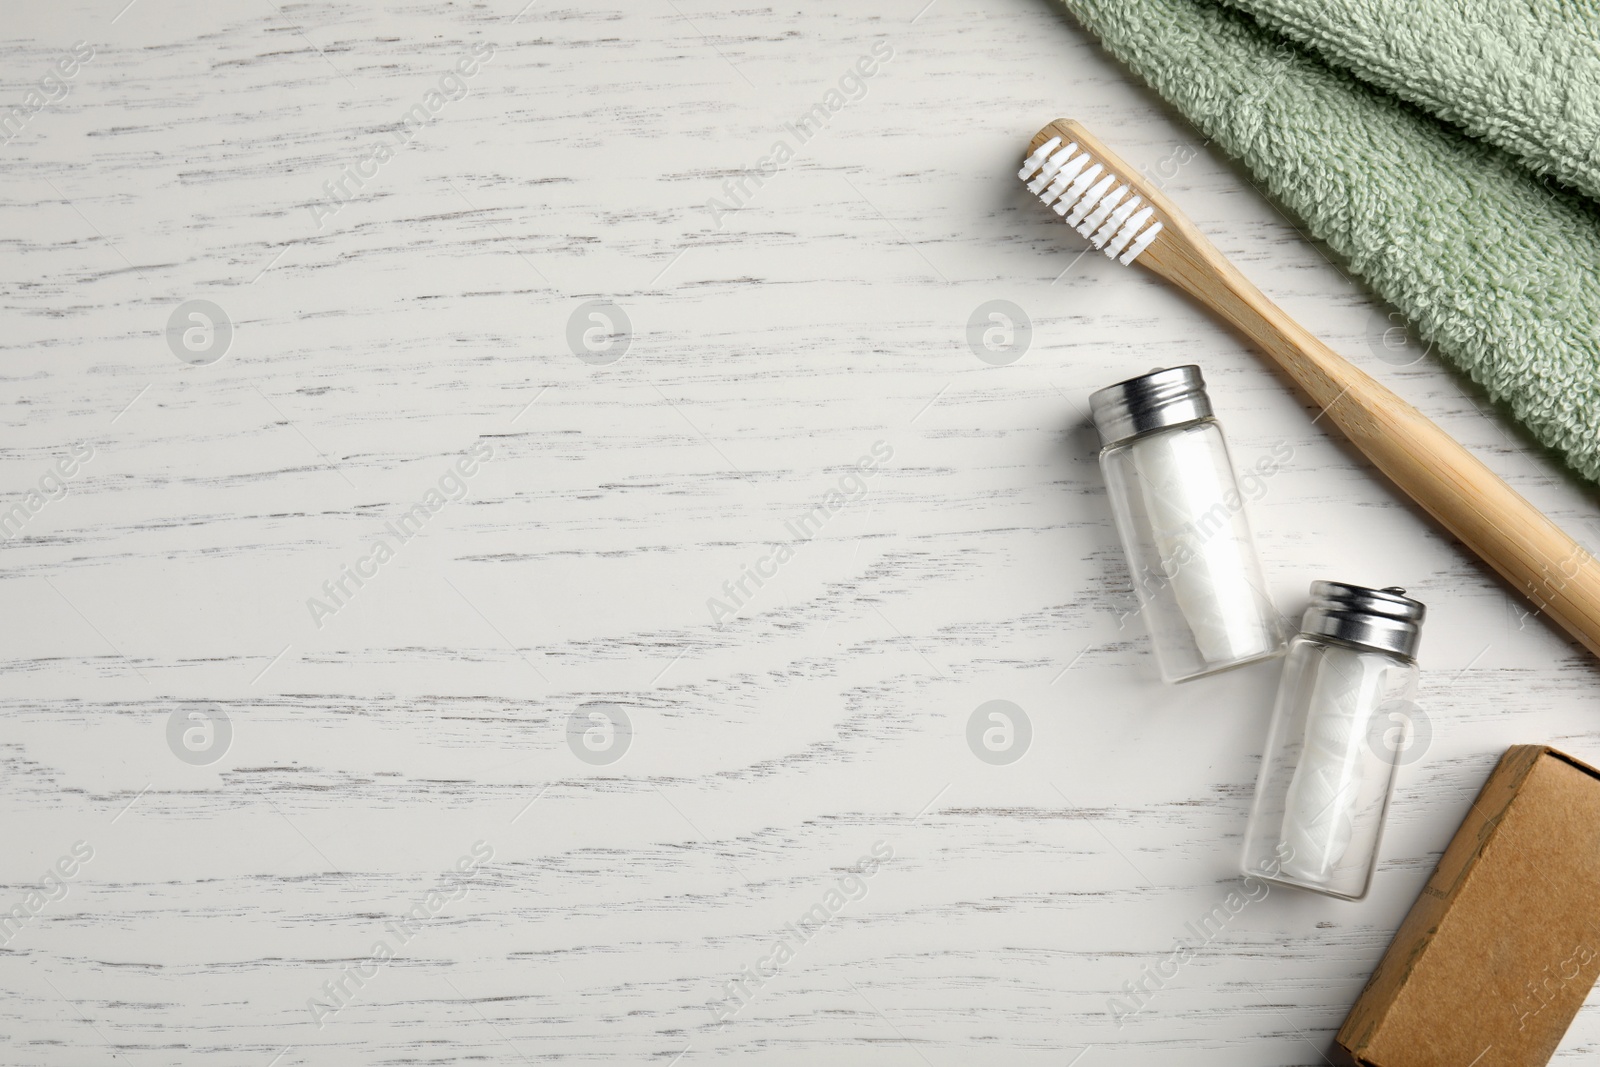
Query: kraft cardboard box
{"type": "Point", "coordinates": [1499, 952]}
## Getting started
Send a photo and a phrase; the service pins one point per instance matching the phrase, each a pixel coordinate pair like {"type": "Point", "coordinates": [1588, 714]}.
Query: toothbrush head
{"type": "Point", "coordinates": [1079, 179]}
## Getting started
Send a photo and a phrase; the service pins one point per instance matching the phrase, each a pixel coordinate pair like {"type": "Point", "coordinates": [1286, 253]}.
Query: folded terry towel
{"type": "Point", "coordinates": [1448, 149]}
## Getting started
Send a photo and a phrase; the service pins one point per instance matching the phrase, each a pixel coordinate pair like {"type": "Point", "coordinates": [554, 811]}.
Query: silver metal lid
{"type": "Point", "coordinates": [1383, 619]}
{"type": "Point", "coordinates": [1164, 397]}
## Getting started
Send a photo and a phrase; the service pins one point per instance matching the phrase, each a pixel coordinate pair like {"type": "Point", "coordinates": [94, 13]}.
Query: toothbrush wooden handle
{"type": "Point", "coordinates": [1535, 555]}
{"type": "Point", "coordinates": [1450, 483]}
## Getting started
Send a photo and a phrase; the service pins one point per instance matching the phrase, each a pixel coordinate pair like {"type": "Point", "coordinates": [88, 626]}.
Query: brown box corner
{"type": "Point", "coordinates": [1499, 952]}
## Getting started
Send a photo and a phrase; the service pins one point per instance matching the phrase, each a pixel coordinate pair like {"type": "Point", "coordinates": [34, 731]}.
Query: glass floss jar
{"type": "Point", "coordinates": [1349, 678]}
{"type": "Point", "coordinates": [1181, 517]}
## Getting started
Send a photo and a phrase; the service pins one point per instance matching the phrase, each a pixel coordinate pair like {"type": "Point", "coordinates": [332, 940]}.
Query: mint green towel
{"type": "Point", "coordinates": [1446, 148]}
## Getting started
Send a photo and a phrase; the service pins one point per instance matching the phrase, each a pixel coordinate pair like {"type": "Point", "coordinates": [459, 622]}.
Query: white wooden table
{"type": "Point", "coordinates": [268, 788]}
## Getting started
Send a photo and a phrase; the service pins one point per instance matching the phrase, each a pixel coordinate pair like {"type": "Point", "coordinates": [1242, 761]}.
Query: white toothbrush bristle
{"type": "Point", "coordinates": [1128, 231]}
{"type": "Point", "coordinates": [1114, 223]}
{"type": "Point", "coordinates": [1075, 190]}
{"type": "Point", "coordinates": [1140, 245]}
{"type": "Point", "coordinates": [1092, 198]}
{"type": "Point", "coordinates": [1098, 216]}
{"type": "Point", "coordinates": [1035, 161]}
{"type": "Point", "coordinates": [1063, 179]}
{"type": "Point", "coordinates": [1051, 166]}
{"type": "Point", "coordinates": [1047, 170]}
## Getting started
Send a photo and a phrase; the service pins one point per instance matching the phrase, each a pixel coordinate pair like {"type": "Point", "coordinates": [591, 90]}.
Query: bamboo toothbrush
{"type": "Point", "coordinates": [1105, 200]}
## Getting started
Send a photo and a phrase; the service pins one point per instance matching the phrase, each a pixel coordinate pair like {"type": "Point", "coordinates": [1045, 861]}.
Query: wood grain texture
{"type": "Point", "coordinates": [771, 347]}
